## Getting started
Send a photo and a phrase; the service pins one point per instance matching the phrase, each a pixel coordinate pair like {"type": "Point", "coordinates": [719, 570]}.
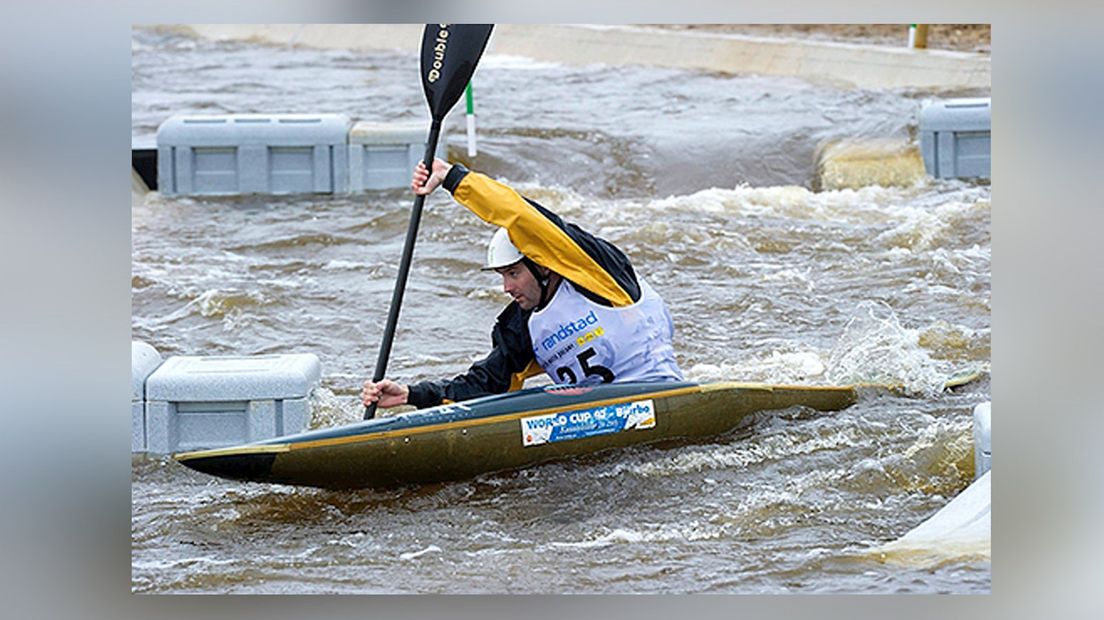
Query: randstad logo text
{"type": "Point", "coordinates": [567, 330]}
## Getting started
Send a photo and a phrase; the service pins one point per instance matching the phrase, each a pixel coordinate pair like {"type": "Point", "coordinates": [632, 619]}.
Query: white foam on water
{"type": "Point", "coordinates": [744, 200]}
{"type": "Point", "coordinates": [851, 206]}
{"type": "Point", "coordinates": [491, 293]}
{"type": "Point", "coordinates": [916, 220]}
{"type": "Point", "coordinates": [417, 554]}
{"type": "Point", "coordinates": [801, 278]}
{"type": "Point", "coordinates": [343, 265]}
{"type": "Point", "coordinates": [625, 226]}
{"type": "Point", "coordinates": [161, 565]}
{"type": "Point", "coordinates": [564, 201]}
{"type": "Point", "coordinates": [777, 367]}
{"type": "Point", "coordinates": [961, 268]}
{"type": "Point", "coordinates": [216, 303]}
{"type": "Point", "coordinates": [690, 531]}
{"type": "Point", "coordinates": [944, 259]}
{"type": "Point", "coordinates": [922, 228]}
{"type": "Point", "coordinates": [352, 540]}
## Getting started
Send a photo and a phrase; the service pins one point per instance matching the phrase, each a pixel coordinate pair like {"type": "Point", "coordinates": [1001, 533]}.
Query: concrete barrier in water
{"type": "Point", "coordinates": [217, 401]}
{"type": "Point", "coordinates": [144, 360]}
{"type": "Point", "coordinates": [253, 153]}
{"type": "Point", "coordinates": [956, 138]}
{"type": "Point", "coordinates": [381, 155]}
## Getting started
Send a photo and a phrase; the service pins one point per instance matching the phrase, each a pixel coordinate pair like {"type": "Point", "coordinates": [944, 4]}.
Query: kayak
{"type": "Point", "coordinates": [506, 432]}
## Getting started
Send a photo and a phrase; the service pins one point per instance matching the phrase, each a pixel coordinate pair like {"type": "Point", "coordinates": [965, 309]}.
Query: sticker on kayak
{"type": "Point", "coordinates": [552, 427]}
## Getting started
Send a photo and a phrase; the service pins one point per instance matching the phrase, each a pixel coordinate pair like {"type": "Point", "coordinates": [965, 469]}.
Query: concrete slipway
{"type": "Point", "coordinates": [839, 64]}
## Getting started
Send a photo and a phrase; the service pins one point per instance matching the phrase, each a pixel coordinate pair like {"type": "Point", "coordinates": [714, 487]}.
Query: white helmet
{"type": "Point", "coordinates": [501, 251]}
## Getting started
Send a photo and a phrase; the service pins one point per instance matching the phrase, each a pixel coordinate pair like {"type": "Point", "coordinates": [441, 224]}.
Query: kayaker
{"type": "Point", "coordinates": [579, 312]}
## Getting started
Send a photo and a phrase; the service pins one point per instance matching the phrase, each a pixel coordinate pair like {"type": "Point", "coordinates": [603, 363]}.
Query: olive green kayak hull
{"type": "Point", "coordinates": [506, 432]}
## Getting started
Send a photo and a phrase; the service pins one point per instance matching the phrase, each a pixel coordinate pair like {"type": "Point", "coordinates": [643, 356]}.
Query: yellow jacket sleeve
{"type": "Point", "coordinates": [536, 235]}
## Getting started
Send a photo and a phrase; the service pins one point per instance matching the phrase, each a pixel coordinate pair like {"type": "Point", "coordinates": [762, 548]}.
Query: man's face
{"type": "Point", "coordinates": [519, 283]}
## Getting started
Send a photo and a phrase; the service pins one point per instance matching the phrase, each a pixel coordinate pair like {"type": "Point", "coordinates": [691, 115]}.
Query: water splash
{"type": "Point", "coordinates": [327, 411]}
{"type": "Point", "coordinates": [876, 349]}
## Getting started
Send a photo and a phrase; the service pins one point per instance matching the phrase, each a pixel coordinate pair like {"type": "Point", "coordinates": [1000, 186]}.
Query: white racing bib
{"type": "Point", "coordinates": [580, 342]}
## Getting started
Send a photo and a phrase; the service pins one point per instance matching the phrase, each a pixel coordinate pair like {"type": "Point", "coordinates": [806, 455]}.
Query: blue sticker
{"type": "Point", "coordinates": [540, 429]}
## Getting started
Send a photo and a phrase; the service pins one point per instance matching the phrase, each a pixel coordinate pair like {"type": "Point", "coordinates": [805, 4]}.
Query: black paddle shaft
{"type": "Point", "coordinates": [404, 271]}
{"type": "Point", "coordinates": [450, 53]}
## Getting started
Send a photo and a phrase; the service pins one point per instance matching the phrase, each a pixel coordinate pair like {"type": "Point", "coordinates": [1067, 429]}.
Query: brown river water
{"type": "Point", "coordinates": [704, 180]}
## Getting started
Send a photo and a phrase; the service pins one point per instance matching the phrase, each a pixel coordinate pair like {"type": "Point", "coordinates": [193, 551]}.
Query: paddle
{"type": "Point", "coordinates": [450, 53]}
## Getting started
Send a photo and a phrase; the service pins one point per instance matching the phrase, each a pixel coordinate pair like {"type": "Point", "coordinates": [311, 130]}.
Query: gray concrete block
{"type": "Point", "coordinates": [955, 138]}
{"type": "Point", "coordinates": [253, 153]}
{"type": "Point", "coordinates": [210, 402]}
{"type": "Point", "coordinates": [144, 360]}
{"type": "Point", "coordinates": [383, 155]}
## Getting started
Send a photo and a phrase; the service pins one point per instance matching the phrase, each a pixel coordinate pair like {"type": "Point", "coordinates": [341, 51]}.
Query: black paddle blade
{"type": "Point", "coordinates": [450, 53]}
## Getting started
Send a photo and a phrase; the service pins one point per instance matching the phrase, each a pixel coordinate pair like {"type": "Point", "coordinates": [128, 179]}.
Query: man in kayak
{"type": "Point", "coordinates": [579, 312]}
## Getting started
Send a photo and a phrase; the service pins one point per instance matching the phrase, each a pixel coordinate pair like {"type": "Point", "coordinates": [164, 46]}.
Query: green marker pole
{"type": "Point", "coordinates": [918, 36]}
{"type": "Point", "coordinates": [471, 120]}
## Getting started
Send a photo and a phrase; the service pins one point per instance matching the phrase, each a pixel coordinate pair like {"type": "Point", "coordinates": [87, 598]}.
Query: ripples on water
{"type": "Point", "coordinates": [703, 180]}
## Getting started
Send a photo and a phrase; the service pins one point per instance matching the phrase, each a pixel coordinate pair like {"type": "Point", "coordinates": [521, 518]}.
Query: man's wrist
{"type": "Point", "coordinates": [422, 395]}
{"type": "Point", "coordinates": [456, 173]}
